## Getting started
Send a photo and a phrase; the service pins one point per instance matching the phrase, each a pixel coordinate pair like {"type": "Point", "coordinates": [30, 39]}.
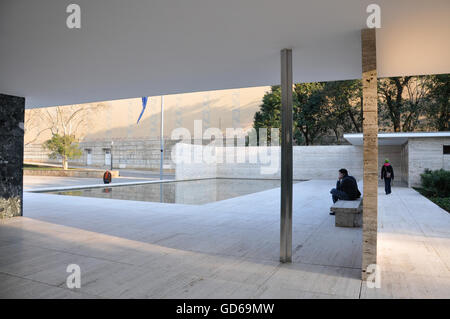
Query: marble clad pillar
{"type": "Point", "coordinates": [12, 109]}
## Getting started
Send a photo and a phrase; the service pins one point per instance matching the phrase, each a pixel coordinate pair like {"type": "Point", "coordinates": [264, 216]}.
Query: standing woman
{"type": "Point", "coordinates": [387, 173]}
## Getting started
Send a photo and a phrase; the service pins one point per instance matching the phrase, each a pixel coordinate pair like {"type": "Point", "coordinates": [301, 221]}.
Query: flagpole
{"type": "Point", "coordinates": [162, 139]}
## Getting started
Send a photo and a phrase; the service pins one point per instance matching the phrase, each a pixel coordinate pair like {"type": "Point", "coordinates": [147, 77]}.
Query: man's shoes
{"type": "Point", "coordinates": [331, 212]}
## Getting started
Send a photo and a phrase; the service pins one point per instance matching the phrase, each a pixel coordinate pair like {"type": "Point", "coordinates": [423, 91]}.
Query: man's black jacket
{"type": "Point", "coordinates": [349, 186]}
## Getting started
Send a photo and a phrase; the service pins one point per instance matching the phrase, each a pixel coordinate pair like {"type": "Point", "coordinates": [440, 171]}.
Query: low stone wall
{"type": "Point", "coordinates": [310, 162]}
{"type": "Point", "coordinates": [69, 173]}
{"type": "Point", "coordinates": [187, 159]}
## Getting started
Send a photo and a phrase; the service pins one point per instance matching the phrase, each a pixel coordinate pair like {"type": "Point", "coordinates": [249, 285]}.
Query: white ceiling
{"type": "Point", "coordinates": [139, 47]}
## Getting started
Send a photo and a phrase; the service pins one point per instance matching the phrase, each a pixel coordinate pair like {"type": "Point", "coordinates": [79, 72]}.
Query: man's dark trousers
{"type": "Point", "coordinates": [337, 194]}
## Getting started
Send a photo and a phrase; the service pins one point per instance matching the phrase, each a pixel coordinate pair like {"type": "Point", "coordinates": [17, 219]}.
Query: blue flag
{"type": "Point", "coordinates": [144, 104]}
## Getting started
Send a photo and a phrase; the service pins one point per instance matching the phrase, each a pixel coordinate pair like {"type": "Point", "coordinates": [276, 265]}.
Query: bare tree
{"type": "Point", "coordinates": [416, 102]}
{"type": "Point", "coordinates": [402, 101]}
{"type": "Point", "coordinates": [34, 126]}
{"type": "Point", "coordinates": [63, 120]}
{"type": "Point", "coordinates": [68, 123]}
{"type": "Point", "coordinates": [72, 119]}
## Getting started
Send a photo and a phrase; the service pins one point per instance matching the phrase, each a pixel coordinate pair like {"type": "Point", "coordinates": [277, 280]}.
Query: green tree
{"type": "Point", "coordinates": [269, 115]}
{"type": "Point", "coordinates": [64, 146]}
{"type": "Point", "coordinates": [318, 108]}
{"type": "Point", "coordinates": [439, 97]}
{"type": "Point", "coordinates": [307, 104]}
{"type": "Point", "coordinates": [309, 120]}
{"type": "Point", "coordinates": [404, 104]}
{"type": "Point", "coordinates": [403, 101]}
{"type": "Point", "coordinates": [390, 100]}
{"type": "Point", "coordinates": [343, 111]}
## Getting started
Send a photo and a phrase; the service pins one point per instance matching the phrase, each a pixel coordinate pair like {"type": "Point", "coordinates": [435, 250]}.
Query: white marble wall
{"type": "Point", "coordinates": [187, 160]}
{"type": "Point", "coordinates": [405, 162]}
{"type": "Point", "coordinates": [426, 153]}
{"type": "Point", "coordinates": [310, 162]}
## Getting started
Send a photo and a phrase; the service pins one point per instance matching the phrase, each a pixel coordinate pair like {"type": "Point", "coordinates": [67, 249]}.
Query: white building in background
{"type": "Point", "coordinates": [114, 134]}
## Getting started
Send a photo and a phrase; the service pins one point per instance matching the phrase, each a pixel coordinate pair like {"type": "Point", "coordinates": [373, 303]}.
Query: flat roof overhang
{"type": "Point", "coordinates": [394, 138]}
{"type": "Point", "coordinates": [138, 48]}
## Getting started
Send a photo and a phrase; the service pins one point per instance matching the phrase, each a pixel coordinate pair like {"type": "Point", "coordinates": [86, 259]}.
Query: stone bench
{"type": "Point", "coordinates": [348, 213]}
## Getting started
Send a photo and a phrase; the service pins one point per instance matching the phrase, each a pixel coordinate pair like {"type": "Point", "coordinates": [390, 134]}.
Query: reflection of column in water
{"type": "Point", "coordinates": [161, 192]}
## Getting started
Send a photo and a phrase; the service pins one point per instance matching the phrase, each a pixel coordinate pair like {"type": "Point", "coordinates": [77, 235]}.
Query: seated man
{"type": "Point", "coordinates": [346, 188]}
{"type": "Point", "coordinates": [107, 177]}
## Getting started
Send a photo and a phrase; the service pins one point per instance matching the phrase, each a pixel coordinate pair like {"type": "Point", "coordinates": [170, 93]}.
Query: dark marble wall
{"type": "Point", "coordinates": [12, 109]}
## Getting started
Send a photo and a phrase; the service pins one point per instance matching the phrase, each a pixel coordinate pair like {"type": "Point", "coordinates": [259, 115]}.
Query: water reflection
{"type": "Point", "coordinates": [185, 192]}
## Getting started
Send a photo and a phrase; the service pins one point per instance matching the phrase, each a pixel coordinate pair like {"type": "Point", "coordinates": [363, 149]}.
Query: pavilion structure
{"type": "Point", "coordinates": [140, 48]}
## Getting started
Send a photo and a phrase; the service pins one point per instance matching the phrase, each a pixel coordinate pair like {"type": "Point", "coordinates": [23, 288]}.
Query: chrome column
{"type": "Point", "coordinates": [286, 156]}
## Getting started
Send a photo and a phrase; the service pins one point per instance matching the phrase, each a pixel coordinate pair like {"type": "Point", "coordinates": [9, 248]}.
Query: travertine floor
{"type": "Point", "coordinates": [413, 249]}
{"type": "Point", "coordinates": [226, 249]}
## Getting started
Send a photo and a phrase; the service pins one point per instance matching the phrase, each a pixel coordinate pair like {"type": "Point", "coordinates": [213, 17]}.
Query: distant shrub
{"type": "Point", "coordinates": [436, 183]}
